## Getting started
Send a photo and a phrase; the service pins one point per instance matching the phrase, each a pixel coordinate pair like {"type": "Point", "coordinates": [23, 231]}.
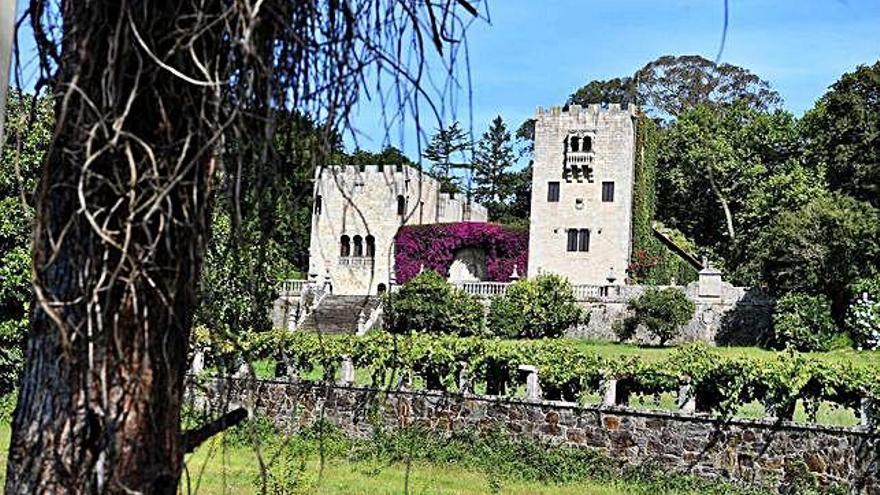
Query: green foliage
{"type": "Point", "coordinates": [662, 312]}
{"type": "Point", "coordinates": [803, 322]}
{"type": "Point", "coordinates": [726, 172]}
{"type": "Point", "coordinates": [842, 134]}
{"type": "Point", "coordinates": [447, 145]}
{"type": "Point", "coordinates": [542, 306]}
{"type": "Point", "coordinates": [819, 248]}
{"type": "Point", "coordinates": [429, 303]}
{"type": "Point", "coordinates": [652, 263]}
{"type": "Point", "coordinates": [29, 124]}
{"type": "Point", "coordinates": [722, 383]}
{"type": "Point", "coordinates": [863, 315]}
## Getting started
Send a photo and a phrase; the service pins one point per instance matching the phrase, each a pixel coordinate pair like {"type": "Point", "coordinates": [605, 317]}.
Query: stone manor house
{"type": "Point", "coordinates": [580, 227]}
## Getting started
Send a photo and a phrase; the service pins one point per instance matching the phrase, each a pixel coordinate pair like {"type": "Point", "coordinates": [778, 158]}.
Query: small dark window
{"type": "Point", "coordinates": [344, 247]}
{"type": "Point", "coordinates": [401, 205]}
{"type": "Point", "coordinates": [572, 244]}
{"type": "Point", "coordinates": [607, 192]}
{"type": "Point", "coordinates": [318, 204]}
{"type": "Point", "coordinates": [574, 144]}
{"type": "Point", "coordinates": [358, 246]}
{"type": "Point", "coordinates": [399, 167]}
{"type": "Point", "coordinates": [362, 168]}
{"type": "Point", "coordinates": [583, 240]}
{"type": "Point", "coordinates": [371, 246]}
{"type": "Point", "coordinates": [380, 168]}
{"type": "Point", "coordinates": [381, 289]}
{"type": "Point", "coordinates": [553, 192]}
{"type": "Point", "coordinates": [587, 144]}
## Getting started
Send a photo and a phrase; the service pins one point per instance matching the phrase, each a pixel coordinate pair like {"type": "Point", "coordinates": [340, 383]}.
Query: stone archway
{"type": "Point", "coordinates": [468, 265]}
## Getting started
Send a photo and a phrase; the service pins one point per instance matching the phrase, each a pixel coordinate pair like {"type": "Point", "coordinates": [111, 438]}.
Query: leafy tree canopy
{"type": "Point", "coordinates": [843, 134]}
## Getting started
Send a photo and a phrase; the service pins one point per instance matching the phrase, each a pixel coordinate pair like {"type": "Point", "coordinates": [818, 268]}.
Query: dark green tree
{"type": "Point", "coordinates": [843, 134]}
{"type": "Point", "coordinates": [817, 249]}
{"type": "Point", "coordinates": [725, 171]}
{"type": "Point", "coordinates": [446, 152]}
{"type": "Point", "coordinates": [618, 90]}
{"type": "Point", "coordinates": [493, 159]}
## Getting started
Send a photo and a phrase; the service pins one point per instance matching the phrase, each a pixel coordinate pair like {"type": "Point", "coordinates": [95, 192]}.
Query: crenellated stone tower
{"type": "Point", "coordinates": [582, 183]}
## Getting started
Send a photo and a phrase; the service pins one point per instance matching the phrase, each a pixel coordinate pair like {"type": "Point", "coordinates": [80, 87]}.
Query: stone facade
{"type": "Point", "coordinates": [363, 206]}
{"type": "Point", "coordinates": [582, 183]}
{"type": "Point", "coordinates": [744, 450]}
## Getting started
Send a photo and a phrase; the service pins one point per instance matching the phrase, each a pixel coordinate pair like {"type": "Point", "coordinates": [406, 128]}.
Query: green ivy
{"type": "Point", "coordinates": [652, 262]}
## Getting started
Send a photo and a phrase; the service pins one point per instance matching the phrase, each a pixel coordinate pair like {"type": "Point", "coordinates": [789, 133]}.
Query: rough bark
{"type": "Point", "coordinates": [117, 253]}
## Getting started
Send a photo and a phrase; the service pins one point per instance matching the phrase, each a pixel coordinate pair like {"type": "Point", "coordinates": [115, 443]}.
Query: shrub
{"type": "Point", "coordinates": [863, 315]}
{"type": "Point", "coordinates": [803, 322]}
{"type": "Point", "coordinates": [662, 312]}
{"type": "Point", "coordinates": [429, 303]}
{"type": "Point", "coordinates": [543, 306]}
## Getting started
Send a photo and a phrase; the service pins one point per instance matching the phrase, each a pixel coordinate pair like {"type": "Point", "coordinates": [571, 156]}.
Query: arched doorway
{"type": "Point", "coordinates": [468, 265]}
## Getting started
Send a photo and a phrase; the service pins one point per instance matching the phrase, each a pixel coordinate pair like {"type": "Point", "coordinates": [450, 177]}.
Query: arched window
{"type": "Point", "coordinates": [587, 145]}
{"type": "Point", "coordinates": [358, 246]}
{"type": "Point", "coordinates": [318, 204]}
{"type": "Point", "coordinates": [381, 289]}
{"type": "Point", "coordinates": [574, 144]}
{"type": "Point", "coordinates": [401, 205]}
{"type": "Point", "coordinates": [371, 246]}
{"type": "Point", "coordinates": [344, 247]}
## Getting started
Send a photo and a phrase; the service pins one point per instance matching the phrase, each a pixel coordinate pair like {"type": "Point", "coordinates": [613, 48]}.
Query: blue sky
{"type": "Point", "coordinates": [536, 52]}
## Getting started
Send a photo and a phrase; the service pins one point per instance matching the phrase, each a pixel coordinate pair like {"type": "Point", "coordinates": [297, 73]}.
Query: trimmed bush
{"type": "Point", "coordinates": [662, 312]}
{"type": "Point", "coordinates": [803, 322]}
{"type": "Point", "coordinates": [543, 306]}
{"type": "Point", "coordinates": [429, 303]}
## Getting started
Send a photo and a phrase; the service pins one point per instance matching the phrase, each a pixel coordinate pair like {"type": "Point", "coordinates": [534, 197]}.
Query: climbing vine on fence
{"type": "Point", "coordinates": [721, 384]}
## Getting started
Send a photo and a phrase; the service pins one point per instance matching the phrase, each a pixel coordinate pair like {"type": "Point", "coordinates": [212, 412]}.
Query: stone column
{"type": "Point", "coordinates": [198, 362]}
{"type": "Point", "coordinates": [687, 402]}
{"type": "Point", "coordinates": [709, 284]}
{"type": "Point", "coordinates": [868, 413]}
{"type": "Point", "coordinates": [464, 379]}
{"type": "Point", "coordinates": [347, 369]}
{"type": "Point", "coordinates": [533, 386]}
{"type": "Point", "coordinates": [608, 389]}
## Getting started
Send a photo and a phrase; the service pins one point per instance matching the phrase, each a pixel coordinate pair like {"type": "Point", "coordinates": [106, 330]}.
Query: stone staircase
{"type": "Point", "coordinates": [339, 314]}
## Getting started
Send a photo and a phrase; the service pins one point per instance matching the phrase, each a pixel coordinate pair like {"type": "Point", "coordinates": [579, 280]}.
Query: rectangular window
{"type": "Point", "coordinates": [572, 245]}
{"type": "Point", "coordinates": [553, 192]}
{"type": "Point", "coordinates": [318, 204]}
{"type": "Point", "coordinates": [607, 192]}
{"type": "Point", "coordinates": [583, 244]}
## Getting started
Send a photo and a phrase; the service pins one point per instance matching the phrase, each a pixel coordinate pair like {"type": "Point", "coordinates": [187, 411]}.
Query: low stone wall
{"type": "Point", "coordinates": [735, 316]}
{"type": "Point", "coordinates": [747, 451]}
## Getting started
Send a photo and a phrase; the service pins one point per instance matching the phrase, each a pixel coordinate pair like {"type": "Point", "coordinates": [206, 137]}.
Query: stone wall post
{"type": "Point", "coordinates": [687, 401]}
{"type": "Point", "coordinates": [464, 379]}
{"type": "Point", "coordinates": [608, 389]}
{"type": "Point", "coordinates": [709, 284]}
{"type": "Point", "coordinates": [533, 386]}
{"type": "Point", "coordinates": [347, 369]}
{"type": "Point", "coordinates": [868, 413]}
{"type": "Point", "coordinates": [198, 362]}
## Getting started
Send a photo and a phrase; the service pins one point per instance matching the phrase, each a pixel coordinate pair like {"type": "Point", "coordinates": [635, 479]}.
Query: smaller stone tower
{"type": "Point", "coordinates": [582, 183]}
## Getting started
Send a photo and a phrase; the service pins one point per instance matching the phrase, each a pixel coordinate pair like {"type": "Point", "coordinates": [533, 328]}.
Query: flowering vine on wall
{"type": "Point", "coordinates": [435, 245]}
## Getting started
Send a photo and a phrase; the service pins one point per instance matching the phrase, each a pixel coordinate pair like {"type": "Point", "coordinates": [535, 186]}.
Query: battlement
{"type": "Point", "coordinates": [595, 109]}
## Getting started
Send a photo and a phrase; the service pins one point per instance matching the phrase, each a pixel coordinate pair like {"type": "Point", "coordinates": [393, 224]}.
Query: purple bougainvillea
{"type": "Point", "coordinates": [435, 245]}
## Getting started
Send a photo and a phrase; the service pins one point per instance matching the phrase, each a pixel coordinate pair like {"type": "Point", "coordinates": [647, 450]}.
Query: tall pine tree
{"type": "Point", "coordinates": [493, 159]}
{"type": "Point", "coordinates": [447, 144]}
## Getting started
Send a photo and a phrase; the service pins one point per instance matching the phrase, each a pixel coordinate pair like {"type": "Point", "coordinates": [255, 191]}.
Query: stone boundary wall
{"type": "Point", "coordinates": [743, 450]}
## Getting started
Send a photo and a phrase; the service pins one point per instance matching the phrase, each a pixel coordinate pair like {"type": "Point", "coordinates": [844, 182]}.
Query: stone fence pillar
{"type": "Point", "coordinates": [868, 413]}
{"type": "Point", "coordinates": [608, 389]}
{"type": "Point", "coordinates": [347, 369]}
{"type": "Point", "coordinates": [709, 284]}
{"type": "Point", "coordinates": [533, 386]}
{"type": "Point", "coordinates": [687, 401]}
{"type": "Point", "coordinates": [464, 378]}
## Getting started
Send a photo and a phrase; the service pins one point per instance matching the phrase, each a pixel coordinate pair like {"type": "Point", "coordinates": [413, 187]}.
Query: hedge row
{"type": "Point", "coordinates": [721, 384]}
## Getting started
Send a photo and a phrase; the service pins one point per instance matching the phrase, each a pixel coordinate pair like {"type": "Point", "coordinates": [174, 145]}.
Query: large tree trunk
{"type": "Point", "coordinates": [118, 246]}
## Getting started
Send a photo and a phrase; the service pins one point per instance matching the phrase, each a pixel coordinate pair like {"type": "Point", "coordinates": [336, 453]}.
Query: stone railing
{"type": "Point", "coordinates": [483, 289]}
{"type": "Point", "coordinates": [360, 261]}
{"type": "Point", "coordinates": [293, 287]}
{"type": "Point", "coordinates": [578, 158]}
